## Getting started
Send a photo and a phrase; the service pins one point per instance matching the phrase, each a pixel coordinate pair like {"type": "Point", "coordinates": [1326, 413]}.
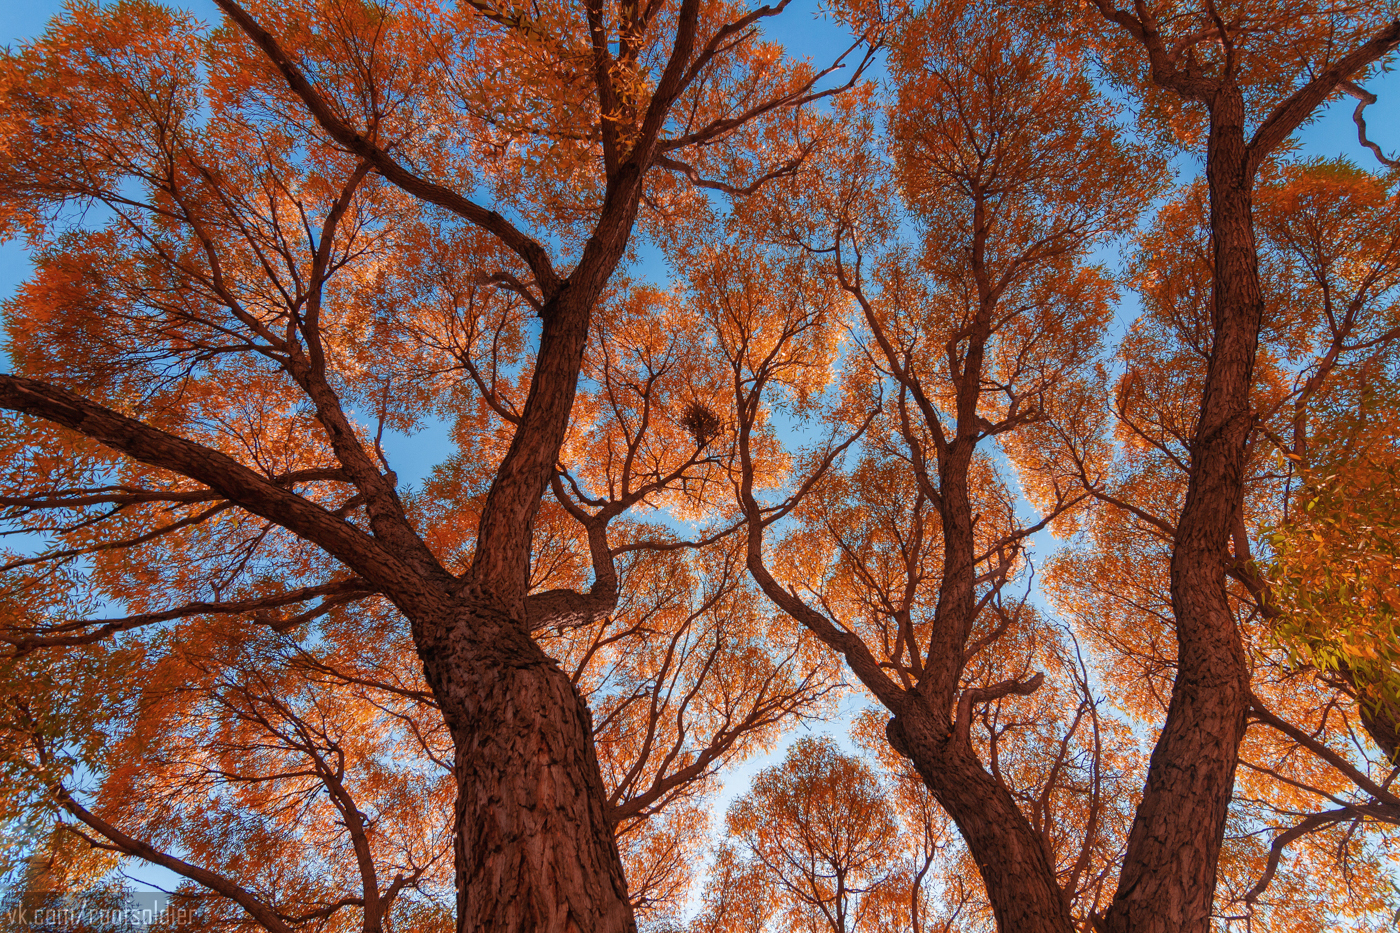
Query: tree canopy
{"type": "Point", "coordinates": [759, 379]}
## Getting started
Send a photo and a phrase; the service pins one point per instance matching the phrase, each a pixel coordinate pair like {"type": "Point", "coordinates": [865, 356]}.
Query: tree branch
{"type": "Point", "coordinates": [1365, 98]}
{"type": "Point", "coordinates": [104, 628]}
{"type": "Point", "coordinates": [1290, 114]}
{"type": "Point", "coordinates": [232, 480]}
{"type": "Point", "coordinates": [514, 239]}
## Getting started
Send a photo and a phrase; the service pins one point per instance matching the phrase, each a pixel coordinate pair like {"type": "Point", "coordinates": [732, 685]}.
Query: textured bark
{"type": "Point", "coordinates": [931, 722]}
{"type": "Point", "coordinates": [1011, 856]}
{"type": "Point", "coordinates": [502, 557]}
{"type": "Point", "coordinates": [1169, 870]}
{"type": "Point", "coordinates": [534, 850]}
{"type": "Point", "coordinates": [1380, 726]}
{"type": "Point", "coordinates": [534, 847]}
{"type": "Point", "coordinates": [956, 609]}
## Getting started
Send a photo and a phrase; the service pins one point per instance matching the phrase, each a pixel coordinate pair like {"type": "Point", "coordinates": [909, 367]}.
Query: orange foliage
{"type": "Point", "coordinates": [674, 522]}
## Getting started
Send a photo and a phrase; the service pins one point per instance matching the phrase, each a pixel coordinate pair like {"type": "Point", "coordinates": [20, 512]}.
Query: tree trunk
{"type": "Point", "coordinates": [534, 849]}
{"type": "Point", "coordinates": [1168, 877]}
{"type": "Point", "coordinates": [1010, 855]}
{"type": "Point", "coordinates": [1380, 726]}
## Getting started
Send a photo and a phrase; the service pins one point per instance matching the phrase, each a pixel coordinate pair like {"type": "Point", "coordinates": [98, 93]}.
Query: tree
{"type": "Point", "coordinates": [1067, 448]}
{"type": "Point", "coordinates": [260, 248]}
{"type": "Point", "coordinates": [236, 231]}
{"type": "Point", "coordinates": [310, 777]}
{"type": "Point", "coordinates": [818, 831]}
{"type": "Point", "coordinates": [986, 335]}
{"type": "Point", "coordinates": [1309, 792]}
{"type": "Point", "coordinates": [1241, 81]}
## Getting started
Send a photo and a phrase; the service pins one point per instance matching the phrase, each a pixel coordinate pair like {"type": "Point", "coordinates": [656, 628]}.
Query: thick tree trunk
{"type": "Point", "coordinates": [1011, 856]}
{"type": "Point", "coordinates": [1168, 877]}
{"type": "Point", "coordinates": [534, 849]}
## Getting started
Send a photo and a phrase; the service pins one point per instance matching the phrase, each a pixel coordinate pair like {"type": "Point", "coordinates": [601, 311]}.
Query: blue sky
{"type": "Point", "coordinates": [807, 34]}
{"type": "Point", "coordinates": [1330, 135]}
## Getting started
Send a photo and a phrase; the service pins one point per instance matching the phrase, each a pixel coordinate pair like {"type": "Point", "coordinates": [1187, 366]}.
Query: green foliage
{"type": "Point", "coordinates": [1336, 566]}
{"type": "Point", "coordinates": [56, 715]}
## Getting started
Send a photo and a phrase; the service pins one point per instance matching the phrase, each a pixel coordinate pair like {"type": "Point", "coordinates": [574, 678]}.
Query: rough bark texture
{"type": "Point", "coordinates": [534, 849]}
{"type": "Point", "coordinates": [1378, 714]}
{"type": "Point", "coordinates": [1381, 728]}
{"type": "Point", "coordinates": [1169, 870]}
{"type": "Point", "coordinates": [1018, 872]}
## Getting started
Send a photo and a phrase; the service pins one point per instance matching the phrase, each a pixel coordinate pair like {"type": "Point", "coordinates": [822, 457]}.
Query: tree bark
{"type": "Point", "coordinates": [1011, 856]}
{"type": "Point", "coordinates": [1169, 870]}
{"type": "Point", "coordinates": [1378, 713]}
{"type": "Point", "coordinates": [534, 850]}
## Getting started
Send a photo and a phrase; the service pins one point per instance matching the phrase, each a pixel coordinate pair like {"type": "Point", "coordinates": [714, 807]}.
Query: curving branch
{"type": "Point", "coordinates": [492, 222]}
{"type": "Point", "coordinates": [1290, 114]}
{"type": "Point", "coordinates": [1264, 715]}
{"type": "Point", "coordinates": [1309, 824]}
{"type": "Point", "coordinates": [77, 498]}
{"type": "Point", "coordinates": [266, 915]}
{"type": "Point", "coordinates": [238, 484]}
{"type": "Point", "coordinates": [692, 174]}
{"type": "Point", "coordinates": [1365, 99]}
{"type": "Point", "coordinates": [975, 695]}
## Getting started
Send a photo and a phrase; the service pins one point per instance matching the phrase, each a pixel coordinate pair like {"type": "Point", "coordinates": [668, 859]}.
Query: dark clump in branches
{"type": "Point", "coordinates": [702, 423]}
